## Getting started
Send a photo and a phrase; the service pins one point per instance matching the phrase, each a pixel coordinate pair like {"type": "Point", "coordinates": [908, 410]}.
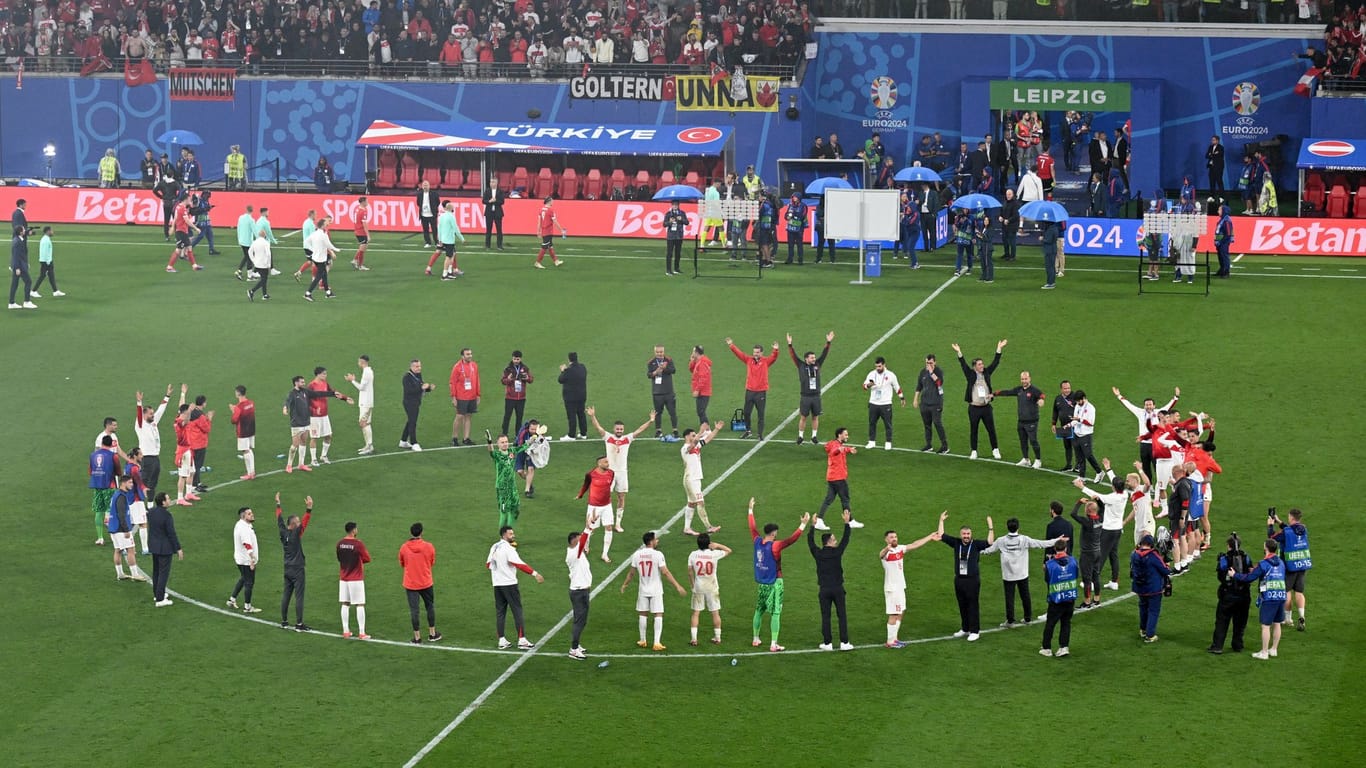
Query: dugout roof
{"type": "Point", "coordinates": [551, 138]}
{"type": "Point", "coordinates": [1332, 155]}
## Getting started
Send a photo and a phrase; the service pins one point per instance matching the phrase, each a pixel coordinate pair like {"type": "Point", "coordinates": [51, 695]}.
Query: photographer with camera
{"type": "Point", "coordinates": [1294, 541]}
{"type": "Point", "coordinates": [1235, 597]}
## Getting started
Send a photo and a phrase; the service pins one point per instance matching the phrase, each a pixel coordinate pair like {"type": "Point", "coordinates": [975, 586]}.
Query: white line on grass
{"type": "Point", "coordinates": [612, 577]}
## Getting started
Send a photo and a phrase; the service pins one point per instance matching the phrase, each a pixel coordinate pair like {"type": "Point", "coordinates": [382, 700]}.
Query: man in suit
{"type": "Point", "coordinates": [998, 159]}
{"type": "Point", "coordinates": [428, 208]}
{"type": "Point", "coordinates": [493, 212]}
{"type": "Point", "coordinates": [1121, 162]}
{"type": "Point", "coordinates": [1214, 163]}
{"type": "Point", "coordinates": [978, 161]}
{"type": "Point", "coordinates": [1100, 155]}
{"type": "Point", "coordinates": [163, 542]}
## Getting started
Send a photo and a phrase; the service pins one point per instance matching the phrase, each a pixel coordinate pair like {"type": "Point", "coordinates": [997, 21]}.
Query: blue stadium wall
{"type": "Point", "coordinates": [1183, 93]}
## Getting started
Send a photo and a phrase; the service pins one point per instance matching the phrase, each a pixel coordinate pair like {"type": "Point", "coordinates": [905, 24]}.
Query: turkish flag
{"type": "Point", "coordinates": [718, 74]}
{"type": "Point", "coordinates": [140, 73]}
{"type": "Point", "coordinates": [1305, 87]}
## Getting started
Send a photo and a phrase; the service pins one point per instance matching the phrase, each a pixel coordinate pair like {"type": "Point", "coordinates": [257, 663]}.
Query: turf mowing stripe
{"type": "Point", "coordinates": [610, 578]}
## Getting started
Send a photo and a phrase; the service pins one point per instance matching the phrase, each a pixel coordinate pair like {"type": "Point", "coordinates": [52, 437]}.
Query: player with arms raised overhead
{"type": "Point", "coordinates": [768, 574]}
{"type": "Point", "coordinates": [706, 592]}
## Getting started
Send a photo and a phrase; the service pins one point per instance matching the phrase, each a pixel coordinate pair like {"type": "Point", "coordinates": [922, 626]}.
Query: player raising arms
{"type": "Point", "coordinates": [692, 476]}
{"type": "Point", "coordinates": [768, 574]}
{"type": "Point", "coordinates": [893, 557]}
{"type": "Point", "coordinates": [597, 483]}
{"type": "Point", "coordinates": [618, 443]}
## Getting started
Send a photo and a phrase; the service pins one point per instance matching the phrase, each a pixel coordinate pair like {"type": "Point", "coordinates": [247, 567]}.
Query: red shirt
{"type": "Point", "coordinates": [598, 485]}
{"type": "Point", "coordinates": [1045, 167]}
{"type": "Point", "coordinates": [701, 375]}
{"type": "Point", "coordinates": [835, 468]}
{"type": "Point", "coordinates": [182, 218]}
{"type": "Point", "coordinates": [244, 417]}
{"type": "Point", "coordinates": [465, 380]}
{"type": "Point", "coordinates": [317, 406]}
{"type": "Point", "coordinates": [352, 556]}
{"type": "Point", "coordinates": [546, 222]}
{"type": "Point", "coordinates": [756, 371]}
{"type": "Point", "coordinates": [197, 432]}
{"type": "Point", "coordinates": [416, 557]}
{"type": "Point", "coordinates": [362, 214]}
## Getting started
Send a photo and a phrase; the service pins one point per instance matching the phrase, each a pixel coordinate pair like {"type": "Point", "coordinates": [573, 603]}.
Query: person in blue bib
{"type": "Point", "coordinates": [1061, 574]}
{"type": "Point", "coordinates": [768, 575]}
{"type": "Point", "coordinates": [1293, 539]}
{"type": "Point", "coordinates": [1270, 572]}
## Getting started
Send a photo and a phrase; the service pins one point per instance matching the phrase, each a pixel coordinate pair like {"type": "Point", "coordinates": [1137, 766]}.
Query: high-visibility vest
{"type": "Point", "coordinates": [237, 165]}
{"type": "Point", "coordinates": [109, 168]}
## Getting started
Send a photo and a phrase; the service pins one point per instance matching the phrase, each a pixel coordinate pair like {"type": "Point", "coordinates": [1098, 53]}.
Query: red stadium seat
{"type": "Point", "coordinates": [505, 180]}
{"type": "Point", "coordinates": [472, 180]}
{"type": "Point", "coordinates": [453, 178]}
{"type": "Point", "coordinates": [666, 178]}
{"type": "Point", "coordinates": [432, 173]}
{"type": "Point", "coordinates": [616, 186]}
{"type": "Point", "coordinates": [569, 184]}
{"type": "Point", "coordinates": [545, 184]}
{"type": "Point", "coordinates": [1359, 211]}
{"type": "Point", "coordinates": [1337, 202]}
{"type": "Point", "coordinates": [644, 185]}
{"type": "Point", "coordinates": [694, 180]}
{"type": "Point", "coordinates": [521, 179]}
{"type": "Point", "coordinates": [1314, 191]}
{"type": "Point", "coordinates": [388, 169]}
{"type": "Point", "coordinates": [592, 185]}
{"type": "Point", "coordinates": [408, 176]}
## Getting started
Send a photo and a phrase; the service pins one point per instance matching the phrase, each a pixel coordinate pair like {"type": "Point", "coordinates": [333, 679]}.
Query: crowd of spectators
{"type": "Point", "coordinates": [403, 37]}
{"type": "Point", "coordinates": [1344, 53]}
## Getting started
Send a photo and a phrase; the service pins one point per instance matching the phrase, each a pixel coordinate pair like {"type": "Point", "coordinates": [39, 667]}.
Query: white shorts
{"type": "Point", "coordinates": [1209, 493]}
{"type": "Point", "coordinates": [246, 443]}
{"type": "Point", "coordinates": [649, 604]}
{"type": "Point", "coordinates": [605, 514]}
{"type": "Point", "coordinates": [137, 513]}
{"type": "Point", "coordinates": [619, 483]}
{"type": "Point", "coordinates": [365, 411]}
{"type": "Point", "coordinates": [352, 592]}
{"type": "Point", "coordinates": [187, 464]}
{"type": "Point", "coordinates": [121, 540]}
{"type": "Point", "coordinates": [896, 601]}
{"type": "Point", "coordinates": [693, 490]}
{"type": "Point", "coordinates": [1144, 524]}
{"type": "Point", "coordinates": [1164, 473]}
{"type": "Point", "coordinates": [296, 431]}
{"type": "Point", "coordinates": [706, 600]}
{"type": "Point", "coordinates": [320, 426]}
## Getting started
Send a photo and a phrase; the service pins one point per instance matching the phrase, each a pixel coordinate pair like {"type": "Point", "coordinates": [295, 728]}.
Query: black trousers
{"type": "Point", "coordinates": [428, 600]}
{"type": "Point", "coordinates": [981, 415]}
{"type": "Point", "coordinates": [246, 582]}
{"type": "Point", "coordinates": [261, 282]}
{"type": "Point", "coordinates": [161, 573]}
{"type": "Point", "coordinates": [968, 589]}
{"type": "Point", "coordinates": [1085, 453]}
{"type": "Point", "coordinates": [17, 276]}
{"type": "Point", "coordinates": [1029, 438]}
{"type": "Point", "coordinates": [795, 247]}
{"type": "Point", "coordinates": [1109, 550]}
{"type": "Point", "coordinates": [673, 255]}
{"type": "Point", "coordinates": [669, 402]}
{"type": "Point", "coordinates": [576, 417]}
{"type": "Point", "coordinates": [319, 277]}
{"type": "Point", "coordinates": [755, 401]}
{"type": "Point", "coordinates": [1145, 455]}
{"type": "Point", "coordinates": [505, 598]}
{"type": "Point", "coordinates": [151, 474]}
{"type": "Point", "coordinates": [1232, 611]}
{"type": "Point", "coordinates": [410, 427]}
{"type": "Point", "coordinates": [823, 242]}
{"type": "Point", "coordinates": [1090, 572]}
{"type": "Point", "coordinates": [511, 409]}
{"type": "Point", "coordinates": [1216, 179]}
{"type": "Point", "coordinates": [835, 488]}
{"type": "Point", "coordinates": [882, 413]}
{"type": "Point", "coordinates": [490, 224]}
{"type": "Point", "coordinates": [578, 602]}
{"type": "Point", "coordinates": [46, 271]}
{"type": "Point", "coordinates": [702, 401]}
{"type": "Point", "coordinates": [167, 213]}
{"type": "Point", "coordinates": [833, 596]}
{"type": "Point", "coordinates": [1025, 602]}
{"type": "Point", "coordinates": [198, 455]}
{"type": "Point", "coordinates": [294, 587]}
{"type": "Point", "coordinates": [1060, 616]}
{"type": "Point", "coordinates": [428, 229]}
{"type": "Point", "coordinates": [246, 259]}
{"type": "Point", "coordinates": [1067, 445]}
{"type": "Point", "coordinates": [933, 417]}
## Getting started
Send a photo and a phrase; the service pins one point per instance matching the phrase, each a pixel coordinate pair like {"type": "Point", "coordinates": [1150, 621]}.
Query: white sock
{"type": "Point", "coordinates": [313, 453]}
{"type": "Point", "coordinates": [813, 436]}
{"type": "Point", "coordinates": [250, 458]}
{"type": "Point", "coordinates": [891, 633]}
{"type": "Point", "coordinates": [368, 434]}
{"type": "Point", "coordinates": [1301, 610]}
{"type": "Point", "coordinates": [693, 631]}
{"type": "Point", "coordinates": [326, 447]}
{"type": "Point", "coordinates": [303, 453]}
{"type": "Point", "coordinates": [659, 628]}
{"type": "Point", "coordinates": [142, 534]}
{"type": "Point", "coordinates": [606, 541]}
{"type": "Point", "coordinates": [346, 618]}
{"type": "Point", "coordinates": [716, 632]}
{"type": "Point", "coordinates": [360, 618]}
{"type": "Point", "coordinates": [642, 627]}
{"type": "Point", "coordinates": [119, 570]}
{"type": "Point", "coordinates": [687, 518]}
{"type": "Point", "coordinates": [136, 571]}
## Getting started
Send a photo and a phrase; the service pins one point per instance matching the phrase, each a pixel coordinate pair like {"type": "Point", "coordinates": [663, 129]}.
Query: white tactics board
{"type": "Point", "coordinates": [880, 210]}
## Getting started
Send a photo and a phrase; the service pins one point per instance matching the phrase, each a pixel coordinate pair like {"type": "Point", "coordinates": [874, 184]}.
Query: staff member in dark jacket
{"type": "Point", "coordinates": [18, 268]}
{"type": "Point", "coordinates": [1010, 224]}
{"type": "Point", "coordinates": [291, 539]}
{"type": "Point", "coordinates": [661, 370]}
{"type": "Point", "coordinates": [1214, 163]}
{"type": "Point", "coordinates": [830, 580]}
{"type": "Point", "coordinates": [493, 212]}
{"type": "Point", "coordinates": [929, 219]}
{"type": "Point", "coordinates": [413, 390]}
{"type": "Point", "coordinates": [428, 208]}
{"type": "Point", "coordinates": [809, 385]}
{"type": "Point", "coordinates": [1149, 574]}
{"type": "Point", "coordinates": [929, 399]}
{"type": "Point", "coordinates": [1235, 597]}
{"type": "Point", "coordinates": [574, 390]}
{"type": "Point", "coordinates": [163, 542]}
{"type": "Point", "coordinates": [1062, 420]}
{"type": "Point", "coordinates": [978, 396]}
{"type": "Point", "coordinates": [1058, 527]}
{"type": "Point", "coordinates": [1028, 399]}
{"type": "Point", "coordinates": [967, 575]}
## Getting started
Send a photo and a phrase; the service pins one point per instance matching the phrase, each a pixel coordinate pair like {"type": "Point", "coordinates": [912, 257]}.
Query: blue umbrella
{"type": "Point", "coordinates": [1043, 210]}
{"type": "Point", "coordinates": [184, 138]}
{"type": "Point", "coordinates": [976, 201]}
{"type": "Point", "coordinates": [677, 192]}
{"type": "Point", "coordinates": [817, 188]}
{"type": "Point", "coordinates": [916, 173]}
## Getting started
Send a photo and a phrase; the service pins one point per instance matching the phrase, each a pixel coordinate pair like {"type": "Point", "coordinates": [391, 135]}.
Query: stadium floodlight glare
{"type": "Point", "coordinates": [50, 150]}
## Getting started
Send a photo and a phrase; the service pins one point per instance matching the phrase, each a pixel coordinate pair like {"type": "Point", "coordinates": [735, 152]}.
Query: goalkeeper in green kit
{"type": "Point", "coordinates": [505, 478]}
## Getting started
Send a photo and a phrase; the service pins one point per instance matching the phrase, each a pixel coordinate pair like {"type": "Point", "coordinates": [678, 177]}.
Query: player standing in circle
{"type": "Point", "coordinates": [244, 421]}
{"type": "Point", "coordinates": [352, 557]}
{"type": "Point", "coordinates": [319, 422]}
{"type": "Point", "coordinates": [706, 592]}
{"type": "Point", "coordinates": [447, 231]}
{"type": "Point", "coordinates": [836, 478]}
{"type": "Point", "coordinates": [618, 444]}
{"type": "Point", "coordinates": [416, 558]}
{"type": "Point", "coordinates": [768, 574]}
{"type": "Point", "coordinates": [893, 557]}
{"type": "Point", "coordinates": [321, 251]}
{"type": "Point", "coordinates": [597, 483]}
{"type": "Point", "coordinates": [809, 384]}
{"type": "Point", "coordinates": [365, 401]}
{"type": "Point", "coordinates": [362, 230]}
{"type": "Point", "coordinates": [648, 563]}
{"type": "Point", "coordinates": [183, 222]}
{"type": "Point", "coordinates": [503, 563]}
{"type": "Point", "coordinates": [692, 477]}
{"type": "Point", "coordinates": [881, 385]}
{"type": "Point", "coordinates": [580, 584]}
{"type": "Point", "coordinates": [505, 478]}
{"type": "Point", "coordinates": [545, 226]}
{"type": "Point", "coordinates": [245, 555]}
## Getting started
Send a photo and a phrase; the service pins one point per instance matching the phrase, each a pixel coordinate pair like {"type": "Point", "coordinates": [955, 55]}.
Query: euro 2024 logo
{"type": "Point", "coordinates": [1246, 99]}
{"type": "Point", "coordinates": [882, 94]}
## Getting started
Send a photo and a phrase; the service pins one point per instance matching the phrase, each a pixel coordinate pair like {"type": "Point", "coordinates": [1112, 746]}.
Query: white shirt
{"type": "Point", "coordinates": [427, 205]}
{"type": "Point", "coordinates": [320, 246]}
{"type": "Point", "coordinates": [1112, 517]}
{"type": "Point", "coordinates": [149, 436]}
{"type": "Point", "coordinates": [1143, 509]}
{"type": "Point", "coordinates": [365, 387]}
{"type": "Point", "coordinates": [1144, 418]}
{"type": "Point", "coordinates": [893, 576]}
{"type": "Point", "coordinates": [692, 460]}
{"type": "Point", "coordinates": [502, 563]}
{"type": "Point", "coordinates": [1031, 187]}
{"type": "Point", "coordinates": [259, 253]}
{"type": "Point", "coordinates": [648, 563]}
{"type": "Point", "coordinates": [1085, 414]}
{"type": "Point", "coordinates": [580, 575]}
{"type": "Point", "coordinates": [99, 441]}
{"type": "Point", "coordinates": [702, 566]}
{"type": "Point", "coordinates": [618, 449]}
{"type": "Point", "coordinates": [881, 387]}
{"type": "Point", "coordinates": [244, 551]}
